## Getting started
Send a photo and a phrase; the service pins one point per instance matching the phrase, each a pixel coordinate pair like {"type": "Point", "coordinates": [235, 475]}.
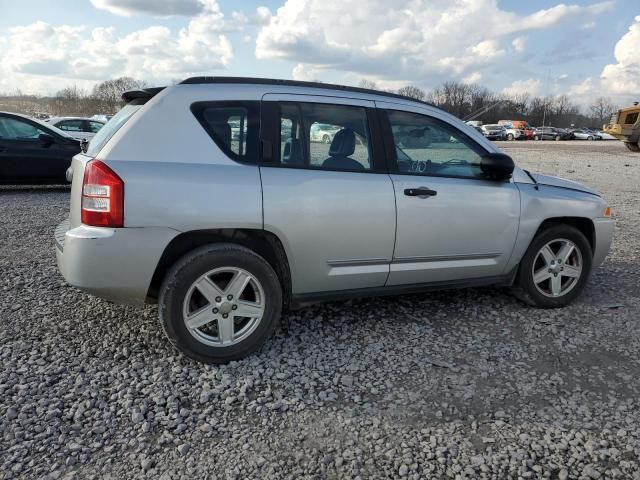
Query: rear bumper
{"type": "Point", "coordinates": [116, 264]}
{"type": "Point", "coordinates": [604, 235]}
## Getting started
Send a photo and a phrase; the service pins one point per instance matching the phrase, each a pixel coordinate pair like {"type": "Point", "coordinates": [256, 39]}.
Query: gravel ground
{"type": "Point", "coordinates": [465, 384]}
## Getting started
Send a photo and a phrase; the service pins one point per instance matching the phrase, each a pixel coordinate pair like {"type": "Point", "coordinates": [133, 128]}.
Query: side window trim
{"type": "Point", "coordinates": [390, 151]}
{"type": "Point", "coordinates": [253, 124]}
{"type": "Point", "coordinates": [270, 132]}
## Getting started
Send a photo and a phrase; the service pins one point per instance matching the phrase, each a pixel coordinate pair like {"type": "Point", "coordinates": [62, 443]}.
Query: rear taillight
{"type": "Point", "coordinates": [102, 196]}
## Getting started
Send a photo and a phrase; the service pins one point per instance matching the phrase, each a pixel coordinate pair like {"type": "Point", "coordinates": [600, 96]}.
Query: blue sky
{"type": "Point", "coordinates": [582, 47]}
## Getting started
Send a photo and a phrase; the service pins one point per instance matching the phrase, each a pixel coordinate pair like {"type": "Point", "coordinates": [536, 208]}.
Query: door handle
{"type": "Point", "coordinates": [422, 192]}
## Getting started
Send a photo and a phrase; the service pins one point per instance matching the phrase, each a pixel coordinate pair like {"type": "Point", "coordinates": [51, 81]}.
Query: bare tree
{"type": "Point", "coordinates": [370, 84]}
{"type": "Point", "coordinates": [412, 92]}
{"type": "Point", "coordinates": [601, 109]}
{"type": "Point", "coordinates": [109, 93]}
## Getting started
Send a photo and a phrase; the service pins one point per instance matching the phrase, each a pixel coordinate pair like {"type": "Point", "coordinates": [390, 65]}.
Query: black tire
{"type": "Point", "coordinates": [187, 270]}
{"type": "Point", "coordinates": [510, 137]}
{"type": "Point", "coordinates": [634, 147]}
{"type": "Point", "coordinates": [524, 287]}
{"type": "Point", "coordinates": [590, 138]}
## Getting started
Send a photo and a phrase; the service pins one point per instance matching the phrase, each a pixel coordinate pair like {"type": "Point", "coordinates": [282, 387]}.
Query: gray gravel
{"type": "Point", "coordinates": [462, 384]}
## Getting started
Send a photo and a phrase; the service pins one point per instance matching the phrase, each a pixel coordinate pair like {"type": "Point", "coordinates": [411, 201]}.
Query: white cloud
{"type": "Point", "coordinates": [623, 77]}
{"type": "Point", "coordinates": [160, 8]}
{"type": "Point", "coordinates": [620, 80]}
{"type": "Point", "coordinates": [65, 54]}
{"type": "Point", "coordinates": [530, 86]}
{"type": "Point", "coordinates": [409, 39]}
{"type": "Point", "coordinates": [519, 44]}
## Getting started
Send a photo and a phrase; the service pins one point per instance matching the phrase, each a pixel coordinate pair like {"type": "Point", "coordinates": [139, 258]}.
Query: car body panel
{"type": "Point", "coordinates": [325, 219]}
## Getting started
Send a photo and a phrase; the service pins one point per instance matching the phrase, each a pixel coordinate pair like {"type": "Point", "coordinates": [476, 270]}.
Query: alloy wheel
{"type": "Point", "coordinates": [223, 306]}
{"type": "Point", "coordinates": [557, 268]}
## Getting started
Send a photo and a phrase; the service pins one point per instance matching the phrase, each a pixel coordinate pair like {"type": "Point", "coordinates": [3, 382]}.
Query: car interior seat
{"type": "Point", "coordinates": [342, 147]}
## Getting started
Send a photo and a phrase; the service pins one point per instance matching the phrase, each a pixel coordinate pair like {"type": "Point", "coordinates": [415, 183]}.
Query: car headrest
{"type": "Point", "coordinates": [343, 144]}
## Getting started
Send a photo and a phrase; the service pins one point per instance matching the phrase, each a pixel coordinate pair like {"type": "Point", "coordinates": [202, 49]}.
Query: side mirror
{"type": "Point", "coordinates": [497, 166]}
{"type": "Point", "coordinates": [46, 139]}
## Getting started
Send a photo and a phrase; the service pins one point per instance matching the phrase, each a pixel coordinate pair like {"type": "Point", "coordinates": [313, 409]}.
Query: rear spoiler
{"type": "Point", "coordinates": [146, 93]}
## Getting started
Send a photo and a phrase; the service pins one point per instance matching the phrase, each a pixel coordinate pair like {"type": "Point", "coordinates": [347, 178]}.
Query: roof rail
{"type": "Point", "coordinates": [296, 83]}
{"type": "Point", "coordinates": [142, 93]}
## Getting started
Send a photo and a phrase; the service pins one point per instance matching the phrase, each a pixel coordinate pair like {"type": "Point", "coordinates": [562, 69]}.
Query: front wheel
{"type": "Point", "coordinates": [220, 303]}
{"type": "Point", "coordinates": [555, 268]}
{"type": "Point", "coordinates": [634, 147]}
{"type": "Point", "coordinates": [510, 137]}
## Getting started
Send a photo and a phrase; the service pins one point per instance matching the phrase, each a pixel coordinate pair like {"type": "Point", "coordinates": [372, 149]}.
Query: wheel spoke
{"type": "Point", "coordinates": [565, 252]}
{"type": "Point", "coordinates": [249, 309]}
{"type": "Point", "coordinates": [541, 275]}
{"type": "Point", "coordinates": [225, 330]}
{"type": "Point", "coordinates": [200, 318]}
{"type": "Point", "coordinates": [556, 285]}
{"type": "Point", "coordinates": [571, 271]}
{"type": "Point", "coordinates": [547, 255]}
{"type": "Point", "coordinates": [237, 284]}
{"type": "Point", "coordinates": [208, 289]}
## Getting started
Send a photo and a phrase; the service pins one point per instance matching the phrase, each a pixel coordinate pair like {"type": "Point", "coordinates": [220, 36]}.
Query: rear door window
{"type": "Point", "coordinates": [324, 136]}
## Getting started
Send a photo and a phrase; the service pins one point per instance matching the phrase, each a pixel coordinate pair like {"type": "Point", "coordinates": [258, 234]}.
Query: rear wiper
{"type": "Point", "coordinates": [535, 182]}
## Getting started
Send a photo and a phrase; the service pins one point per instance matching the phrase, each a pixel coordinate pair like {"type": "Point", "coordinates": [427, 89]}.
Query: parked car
{"type": "Point", "coordinates": [584, 134]}
{"type": "Point", "coordinates": [33, 152]}
{"type": "Point", "coordinates": [525, 130]}
{"type": "Point", "coordinates": [224, 234]}
{"type": "Point", "coordinates": [605, 135]}
{"type": "Point", "coordinates": [102, 117]}
{"type": "Point", "coordinates": [512, 133]}
{"type": "Point", "coordinates": [78, 127]}
{"type": "Point", "coordinates": [494, 132]}
{"type": "Point", "coordinates": [550, 133]}
{"type": "Point", "coordinates": [321, 132]}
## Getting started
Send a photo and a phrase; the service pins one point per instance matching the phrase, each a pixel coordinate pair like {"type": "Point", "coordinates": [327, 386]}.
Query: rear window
{"type": "Point", "coordinates": [112, 126]}
{"type": "Point", "coordinates": [233, 126]}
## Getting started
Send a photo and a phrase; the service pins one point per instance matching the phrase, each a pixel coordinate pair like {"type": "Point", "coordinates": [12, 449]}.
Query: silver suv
{"type": "Point", "coordinates": [209, 198]}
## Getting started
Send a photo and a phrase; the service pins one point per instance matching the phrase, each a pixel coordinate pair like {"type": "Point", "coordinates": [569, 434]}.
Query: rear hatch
{"type": "Point", "coordinates": [136, 100]}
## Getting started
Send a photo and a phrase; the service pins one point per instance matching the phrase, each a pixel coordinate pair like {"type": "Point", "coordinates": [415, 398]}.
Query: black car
{"type": "Point", "coordinates": [551, 133]}
{"type": "Point", "coordinates": [32, 152]}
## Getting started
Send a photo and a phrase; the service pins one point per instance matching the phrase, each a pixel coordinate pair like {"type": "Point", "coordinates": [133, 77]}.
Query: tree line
{"type": "Point", "coordinates": [465, 101]}
{"type": "Point", "coordinates": [105, 98]}
{"type": "Point", "coordinates": [470, 101]}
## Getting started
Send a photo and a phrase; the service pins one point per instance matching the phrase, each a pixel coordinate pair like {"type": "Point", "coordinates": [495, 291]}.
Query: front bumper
{"type": "Point", "coordinates": [604, 228]}
{"type": "Point", "coordinates": [116, 264]}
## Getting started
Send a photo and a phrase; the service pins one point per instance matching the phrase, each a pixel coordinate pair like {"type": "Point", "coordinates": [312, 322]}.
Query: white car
{"type": "Point", "coordinates": [584, 134]}
{"type": "Point", "coordinates": [79, 128]}
{"type": "Point", "coordinates": [513, 133]}
{"type": "Point", "coordinates": [321, 132]}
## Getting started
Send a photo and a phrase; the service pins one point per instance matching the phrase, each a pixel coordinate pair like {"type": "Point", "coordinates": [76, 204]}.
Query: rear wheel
{"type": "Point", "coordinates": [589, 137]}
{"type": "Point", "coordinates": [555, 268]}
{"type": "Point", "coordinates": [510, 137]}
{"type": "Point", "coordinates": [634, 147]}
{"type": "Point", "coordinates": [220, 303]}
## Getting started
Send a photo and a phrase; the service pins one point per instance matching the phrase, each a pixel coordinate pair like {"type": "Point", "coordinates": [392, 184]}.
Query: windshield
{"type": "Point", "coordinates": [113, 125]}
{"type": "Point", "coordinates": [48, 126]}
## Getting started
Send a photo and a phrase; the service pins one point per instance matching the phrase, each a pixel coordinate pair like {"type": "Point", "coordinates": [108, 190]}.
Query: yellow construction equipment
{"type": "Point", "coordinates": [625, 126]}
